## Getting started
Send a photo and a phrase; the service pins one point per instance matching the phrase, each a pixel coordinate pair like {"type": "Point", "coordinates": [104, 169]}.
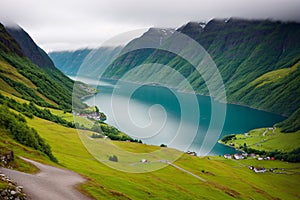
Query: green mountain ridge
{"type": "Point", "coordinates": [28, 72]}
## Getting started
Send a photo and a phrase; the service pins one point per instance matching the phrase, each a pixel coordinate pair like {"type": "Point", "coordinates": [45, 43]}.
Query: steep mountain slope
{"type": "Point", "coordinates": [86, 62]}
{"type": "Point", "coordinates": [13, 124]}
{"type": "Point", "coordinates": [245, 52]}
{"type": "Point", "coordinates": [38, 56]}
{"type": "Point", "coordinates": [28, 72]}
{"type": "Point", "coordinates": [133, 55]}
{"type": "Point", "coordinates": [69, 61]}
{"type": "Point", "coordinates": [29, 48]}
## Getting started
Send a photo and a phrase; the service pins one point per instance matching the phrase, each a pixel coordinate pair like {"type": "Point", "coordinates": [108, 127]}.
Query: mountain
{"type": "Point", "coordinates": [28, 72]}
{"type": "Point", "coordinates": [29, 47]}
{"type": "Point", "coordinates": [69, 61]}
{"type": "Point", "coordinates": [254, 57]}
{"type": "Point", "coordinates": [86, 62]}
{"type": "Point", "coordinates": [92, 63]}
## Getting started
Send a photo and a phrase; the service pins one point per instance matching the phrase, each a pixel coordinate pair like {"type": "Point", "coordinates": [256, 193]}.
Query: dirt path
{"type": "Point", "coordinates": [50, 183]}
{"type": "Point", "coordinates": [183, 170]}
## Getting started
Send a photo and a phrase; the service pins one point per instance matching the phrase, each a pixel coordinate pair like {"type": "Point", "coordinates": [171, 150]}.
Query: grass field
{"type": "Point", "coordinates": [227, 179]}
{"type": "Point", "coordinates": [268, 140]}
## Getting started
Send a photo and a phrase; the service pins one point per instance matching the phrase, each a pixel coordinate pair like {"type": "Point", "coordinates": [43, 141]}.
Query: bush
{"type": "Point", "coordinates": [228, 138]}
{"type": "Point", "coordinates": [113, 158]}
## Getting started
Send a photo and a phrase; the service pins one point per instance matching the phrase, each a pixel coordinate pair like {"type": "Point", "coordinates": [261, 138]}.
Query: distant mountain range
{"type": "Point", "coordinates": [258, 61]}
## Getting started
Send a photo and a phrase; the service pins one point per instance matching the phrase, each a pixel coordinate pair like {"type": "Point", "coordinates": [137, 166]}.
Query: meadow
{"type": "Point", "coordinates": [227, 179]}
{"type": "Point", "coordinates": [268, 139]}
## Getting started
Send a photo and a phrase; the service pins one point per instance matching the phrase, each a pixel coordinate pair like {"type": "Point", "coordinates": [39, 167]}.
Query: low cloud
{"type": "Point", "coordinates": [67, 24]}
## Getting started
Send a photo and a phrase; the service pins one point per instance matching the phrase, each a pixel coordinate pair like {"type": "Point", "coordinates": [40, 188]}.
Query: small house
{"type": "Point", "coordinates": [238, 156]}
{"type": "Point", "coordinates": [192, 153]}
{"type": "Point", "coordinates": [259, 170]}
{"type": "Point", "coordinates": [245, 154]}
{"type": "Point", "coordinates": [227, 156]}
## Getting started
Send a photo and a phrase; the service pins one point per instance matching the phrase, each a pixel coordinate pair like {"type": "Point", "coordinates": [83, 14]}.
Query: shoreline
{"type": "Point", "coordinates": [198, 94]}
{"type": "Point", "coordinates": [223, 144]}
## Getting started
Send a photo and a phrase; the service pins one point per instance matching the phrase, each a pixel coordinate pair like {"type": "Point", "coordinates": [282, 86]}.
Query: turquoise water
{"type": "Point", "coordinates": [155, 115]}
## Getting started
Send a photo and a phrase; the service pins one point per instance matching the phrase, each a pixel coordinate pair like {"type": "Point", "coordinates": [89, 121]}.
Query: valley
{"type": "Point", "coordinates": [45, 119]}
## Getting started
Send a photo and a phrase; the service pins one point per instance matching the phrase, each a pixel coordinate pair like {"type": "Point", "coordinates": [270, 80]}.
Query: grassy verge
{"type": "Point", "coordinates": [227, 179]}
{"type": "Point", "coordinates": [267, 139]}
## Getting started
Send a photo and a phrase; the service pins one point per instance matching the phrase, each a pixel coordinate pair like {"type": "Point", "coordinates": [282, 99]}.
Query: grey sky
{"type": "Point", "coordinates": [71, 24]}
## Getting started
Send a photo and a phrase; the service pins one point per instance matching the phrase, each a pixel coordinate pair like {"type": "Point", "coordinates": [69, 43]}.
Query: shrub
{"type": "Point", "coordinates": [113, 158]}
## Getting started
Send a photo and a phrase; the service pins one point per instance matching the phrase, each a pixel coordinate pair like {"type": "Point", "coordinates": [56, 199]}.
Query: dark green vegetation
{"type": "Point", "coordinates": [291, 124]}
{"type": "Point", "coordinates": [37, 83]}
{"type": "Point", "coordinates": [113, 158]}
{"type": "Point", "coordinates": [16, 126]}
{"type": "Point", "coordinates": [27, 72]}
{"type": "Point", "coordinates": [31, 110]}
{"type": "Point", "coordinates": [227, 138]}
{"type": "Point", "coordinates": [111, 132]}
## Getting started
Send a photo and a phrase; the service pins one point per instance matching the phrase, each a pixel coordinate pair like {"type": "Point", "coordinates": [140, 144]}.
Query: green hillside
{"type": "Point", "coordinates": [227, 179]}
{"type": "Point", "coordinates": [32, 73]}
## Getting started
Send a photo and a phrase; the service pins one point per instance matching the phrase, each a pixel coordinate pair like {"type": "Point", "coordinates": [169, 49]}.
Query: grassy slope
{"type": "Point", "coordinates": [7, 143]}
{"type": "Point", "coordinates": [264, 139]}
{"type": "Point", "coordinates": [12, 73]}
{"type": "Point", "coordinates": [282, 87]}
{"type": "Point", "coordinates": [229, 177]}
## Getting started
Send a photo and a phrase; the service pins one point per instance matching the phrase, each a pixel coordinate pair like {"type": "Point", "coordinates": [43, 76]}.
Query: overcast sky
{"type": "Point", "coordinates": [71, 24]}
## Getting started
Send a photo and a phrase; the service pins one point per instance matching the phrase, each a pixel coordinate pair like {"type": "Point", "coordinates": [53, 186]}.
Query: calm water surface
{"type": "Point", "coordinates": [153, 114]}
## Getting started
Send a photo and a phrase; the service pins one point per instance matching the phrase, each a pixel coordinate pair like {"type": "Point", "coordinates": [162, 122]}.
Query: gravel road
{"type": "Point", "coordinates": [50, 183]}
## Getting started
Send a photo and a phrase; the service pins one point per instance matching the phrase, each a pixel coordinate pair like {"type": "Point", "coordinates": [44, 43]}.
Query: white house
{"type": "Point", "coordinates": [227, 156]}
{"type": "Point", "coordinates": [238, 156]}
{"type": "Point", "coordinates": [259, 170]}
